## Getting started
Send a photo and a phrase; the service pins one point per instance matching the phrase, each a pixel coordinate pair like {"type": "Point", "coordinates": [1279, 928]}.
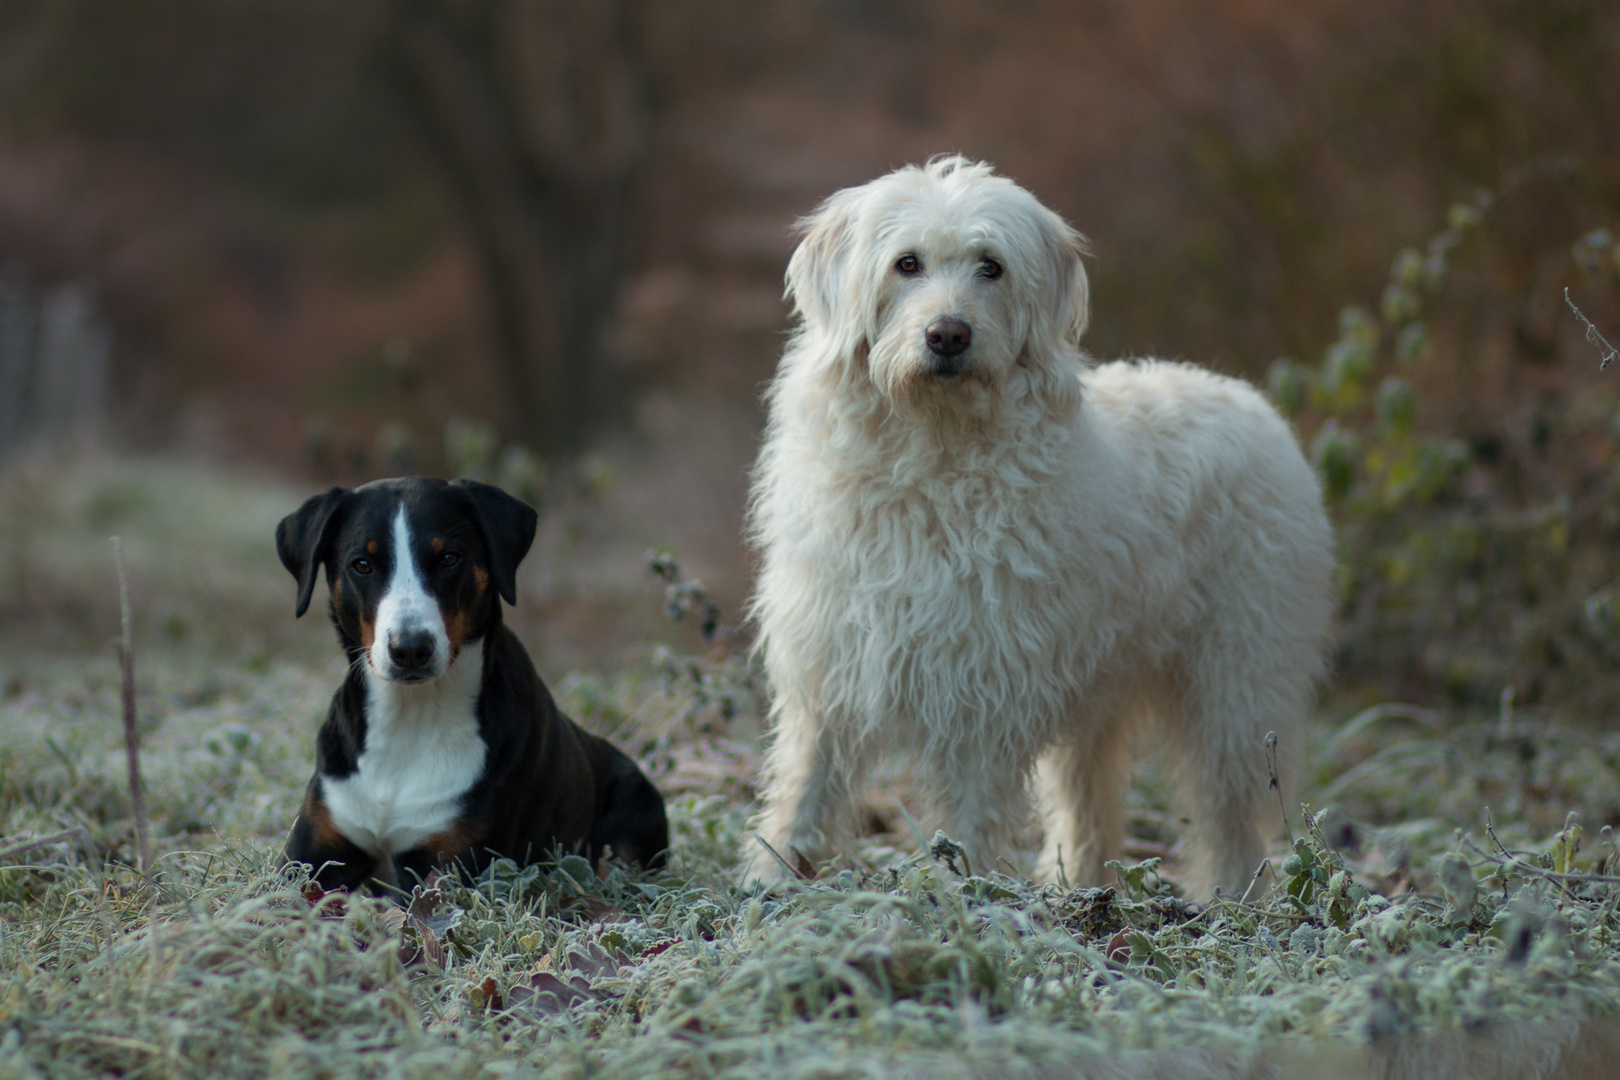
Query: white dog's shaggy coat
{"type": "Point", "coordinates": [1008, 562]}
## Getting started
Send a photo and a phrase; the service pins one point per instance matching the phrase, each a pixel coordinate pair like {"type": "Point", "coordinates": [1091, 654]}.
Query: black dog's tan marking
{"type": "Point", "coordinates": [443, 746]}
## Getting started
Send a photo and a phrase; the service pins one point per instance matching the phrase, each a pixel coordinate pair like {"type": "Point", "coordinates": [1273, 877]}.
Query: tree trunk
{"type": "Point", "coordinates": [539, 113]}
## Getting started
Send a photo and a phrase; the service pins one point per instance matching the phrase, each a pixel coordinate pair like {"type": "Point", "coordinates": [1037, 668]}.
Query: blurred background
{"type": "Point", "coordinates": [250, 248]}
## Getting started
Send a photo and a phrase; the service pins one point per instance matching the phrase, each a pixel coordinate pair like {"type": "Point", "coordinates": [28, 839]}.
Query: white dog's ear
{"type": "Point", "coordinates": [1057, 312]}
{"type": "Point", "coordinates": [1071, 292]}
{"type": "Point", "coordinates": [819, 273]}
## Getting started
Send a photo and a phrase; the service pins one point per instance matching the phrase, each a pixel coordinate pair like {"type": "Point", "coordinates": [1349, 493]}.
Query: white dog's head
{"type": "Point", "coordinates": [950, 287]}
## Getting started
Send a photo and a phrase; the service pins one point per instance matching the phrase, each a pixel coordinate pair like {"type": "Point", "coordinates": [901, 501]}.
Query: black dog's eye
{"type": "Point", "coordinates": [449, 558]}
{"type": "Point", "coordinates": [989, 269]}
{"type": "Point", "coordinates": [908, 264]}
{"type": "Point", "coordinates": [361, 566]}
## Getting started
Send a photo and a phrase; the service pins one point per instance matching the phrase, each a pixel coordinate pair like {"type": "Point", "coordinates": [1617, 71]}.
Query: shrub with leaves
{"type": "Point", "coordinates": [1473, 483]}
{"type": "Point", "coordinates": [724, 683]}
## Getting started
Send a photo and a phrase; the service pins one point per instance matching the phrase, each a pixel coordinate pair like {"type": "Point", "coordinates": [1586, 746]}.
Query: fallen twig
{"type": "Point", "coordinates": [53, 838]}
{"type": "Point", "coordinates": [132, 736]}
{"type": "Point", "coordinates": [797, 872]}
{"type": "Point", "coordinates": [1221, 903]}
{"type": "Point", "coordinates": [1526, 868]}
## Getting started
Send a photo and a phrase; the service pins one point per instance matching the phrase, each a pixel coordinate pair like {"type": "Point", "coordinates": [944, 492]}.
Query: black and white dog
{"type": "Point", "coordinates": [443, 746]}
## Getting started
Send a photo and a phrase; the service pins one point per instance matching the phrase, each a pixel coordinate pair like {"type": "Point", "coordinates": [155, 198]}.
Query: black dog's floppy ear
{"type": "Point", "coordinates": [302, 539]}
{"type": "Point", "coordinates": [508, 525]}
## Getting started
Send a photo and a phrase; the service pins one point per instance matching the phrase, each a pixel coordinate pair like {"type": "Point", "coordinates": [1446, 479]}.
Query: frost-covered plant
{"type": "Point", "coordinates": [720, 685]}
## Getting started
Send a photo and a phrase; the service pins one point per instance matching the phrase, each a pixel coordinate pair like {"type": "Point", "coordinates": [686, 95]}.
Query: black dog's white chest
{"type": "Point", "coordinates": [423, 752]}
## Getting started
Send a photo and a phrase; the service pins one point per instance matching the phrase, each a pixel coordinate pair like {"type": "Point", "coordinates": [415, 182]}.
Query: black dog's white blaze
{"type": "Point", "coordinates": [422, 750]}
{"type": "Point", "coordinates": [407, 609]}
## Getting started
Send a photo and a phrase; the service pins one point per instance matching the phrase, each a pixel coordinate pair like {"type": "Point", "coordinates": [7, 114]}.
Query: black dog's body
{"type": "Point", "coordinates": [443, 745]}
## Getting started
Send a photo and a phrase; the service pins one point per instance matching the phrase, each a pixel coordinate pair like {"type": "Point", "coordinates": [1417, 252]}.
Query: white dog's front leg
{"type": "Point", "coordinates": [1079, 786]}
{"type": "Point", "coordinates": [979, 798]}
{"type": "Point", "coordinates": [813, 778]}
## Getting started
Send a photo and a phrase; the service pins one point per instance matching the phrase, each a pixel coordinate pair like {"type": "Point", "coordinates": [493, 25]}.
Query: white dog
{"type": "Point", "coordinates": [981, 549]}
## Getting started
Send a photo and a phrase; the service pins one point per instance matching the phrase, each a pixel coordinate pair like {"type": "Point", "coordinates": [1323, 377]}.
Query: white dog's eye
{"type": "Point", "coordinates": [989, 269]}
{"type": "Point", "coordinates": [908, 264]}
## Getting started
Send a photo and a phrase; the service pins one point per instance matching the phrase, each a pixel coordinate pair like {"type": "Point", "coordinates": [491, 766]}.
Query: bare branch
{"type": "Point", "coordinates": [1608, 352]}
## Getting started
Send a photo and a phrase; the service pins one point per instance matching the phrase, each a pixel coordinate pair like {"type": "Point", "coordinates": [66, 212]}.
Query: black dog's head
{"type": "Point", "coordinates": [416, 566]}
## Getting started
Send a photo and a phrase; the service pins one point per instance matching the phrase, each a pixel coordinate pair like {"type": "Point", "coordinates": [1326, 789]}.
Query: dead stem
{"type": "Point", "coordinates": [1265, 864]}
{"type": "Point", "coordinates": [1271, 766]}
{"type": "Point", "coordinates": [132, 736]}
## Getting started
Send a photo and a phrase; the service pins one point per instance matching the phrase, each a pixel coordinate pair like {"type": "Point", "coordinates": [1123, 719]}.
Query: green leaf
{"type": "Point", "coordinates": [1289, 385]}
{"type": "Point", "coordinates": [1412, 342]}
{"type": "Point", "coordinates": [1337, 459]}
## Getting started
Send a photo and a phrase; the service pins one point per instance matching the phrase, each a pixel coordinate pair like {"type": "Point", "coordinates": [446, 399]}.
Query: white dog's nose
{"type": "Point", "coordinates": [948, 337]}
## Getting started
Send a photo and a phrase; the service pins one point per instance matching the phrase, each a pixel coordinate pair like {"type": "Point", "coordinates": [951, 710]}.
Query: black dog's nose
{"type": "Point", "coordinates": [412, 650]}
{"type": "Point", "coordinates": [948, 337]}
